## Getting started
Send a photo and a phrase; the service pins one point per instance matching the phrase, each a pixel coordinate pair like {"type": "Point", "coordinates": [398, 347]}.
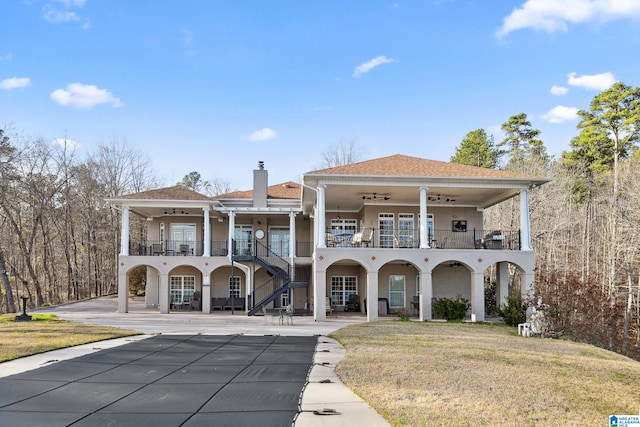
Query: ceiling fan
{"type": "Point", "coordinates": [375, 196]}
{"type": "Point", "coordinates": [441, 198]}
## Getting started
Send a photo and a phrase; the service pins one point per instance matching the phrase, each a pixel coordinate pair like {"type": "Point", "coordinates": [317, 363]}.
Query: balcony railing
{"type": "Point", "coordinates": [438, 239]}
{"type": "Point", "coordinates": [373, 238]}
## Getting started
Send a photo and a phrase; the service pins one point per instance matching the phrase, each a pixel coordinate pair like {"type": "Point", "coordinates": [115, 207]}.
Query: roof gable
{"type": "Point", "coordinates": [401, 165]}
{"type": "Point", "coordinates": [287, 190]}
{"type": "Point", "coordinates": [177, 192]}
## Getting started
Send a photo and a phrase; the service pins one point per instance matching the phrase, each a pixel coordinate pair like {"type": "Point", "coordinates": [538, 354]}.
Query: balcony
{"type": "Point", "coordinates": [438, 239]}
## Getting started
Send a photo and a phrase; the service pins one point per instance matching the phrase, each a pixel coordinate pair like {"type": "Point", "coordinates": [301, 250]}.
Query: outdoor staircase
{"type": "Point", "coordinates": [280, 281]}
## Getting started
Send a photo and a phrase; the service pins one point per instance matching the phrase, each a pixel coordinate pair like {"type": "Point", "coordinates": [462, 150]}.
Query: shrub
{"type": "Point", "coordinates": [451, 309]}
{"type": "Point", "coordinates": [490, 301]}
{"type": "Point", "coordinates": [514, 311]}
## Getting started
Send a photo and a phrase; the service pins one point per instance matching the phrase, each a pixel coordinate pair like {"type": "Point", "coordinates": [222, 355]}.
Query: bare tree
{"type": "Point", "coordinates": [343, 153]}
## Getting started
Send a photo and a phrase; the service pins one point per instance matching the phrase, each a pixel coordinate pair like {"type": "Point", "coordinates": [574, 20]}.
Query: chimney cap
{"type": "Point", "coordinates": [261, 165]}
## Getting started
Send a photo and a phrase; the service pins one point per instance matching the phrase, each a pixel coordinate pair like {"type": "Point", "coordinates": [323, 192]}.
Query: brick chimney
{"type": "Point", "coordinates": [260, 183]}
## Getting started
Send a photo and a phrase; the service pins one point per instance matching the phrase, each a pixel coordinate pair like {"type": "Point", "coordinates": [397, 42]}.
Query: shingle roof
{"type": "Point", "coordinates": [286, 190]}
{"type": "Point", "coordinates": [177, 192]}
{"type": "Point", "coordinates": [401, 165]}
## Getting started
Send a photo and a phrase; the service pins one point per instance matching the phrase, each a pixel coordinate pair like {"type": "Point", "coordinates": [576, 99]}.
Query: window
{"type": "Point", "coordinates": [396, 291]}
{"type": "Point", "coordinates": [243, 235]}
{"type": "Point", "coordinates": [234, 287]}
{"type": "Point", "coordinates": [342, 287]}
{"type": "Point", "coordinates": [405, 230]}
{"type": "Point", "coordinates": [343, 230]}
{"type": "Point", "coordinates": [385, 226]}
{"type": "Point", "coordinates": [182, 289]}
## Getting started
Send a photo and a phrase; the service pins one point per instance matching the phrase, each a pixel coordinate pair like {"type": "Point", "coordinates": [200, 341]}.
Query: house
{"type": "Point", "coordinates": [390, 234]}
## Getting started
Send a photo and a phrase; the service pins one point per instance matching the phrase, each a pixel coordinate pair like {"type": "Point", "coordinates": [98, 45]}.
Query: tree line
{"type": "Point", "coordinates": [584, 223]}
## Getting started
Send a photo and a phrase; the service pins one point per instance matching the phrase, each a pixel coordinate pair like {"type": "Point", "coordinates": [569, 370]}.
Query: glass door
{"type": "Point", "coordinates": [279, 241]}
{"type": "Point", "coordinates": [385, 227]}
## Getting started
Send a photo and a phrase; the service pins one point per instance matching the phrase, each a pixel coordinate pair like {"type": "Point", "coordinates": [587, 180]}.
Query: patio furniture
{"type": "Point", "coordinates": [356, 239]}
{"type": "Point", "coordinates": [367, 235]}
{"type": "Point", "coordinates": [196, 301]}
{"type": "Point", "coordinates": [330, 240]}
{"type": "Point", "coordinates": [185, 250]}
{"type": "Point", "coordinates": [156, 248]}
{"type": "Point", "coordinates": [218, 303]}
{"type": "Point", "coordinates": [353, 303]}
{"type": "Point", "coordinates": [234, 303]}
{"type": "Point", "coordinates": [329, 307]}
{"type": "Point", "coordinates": [415, 304]}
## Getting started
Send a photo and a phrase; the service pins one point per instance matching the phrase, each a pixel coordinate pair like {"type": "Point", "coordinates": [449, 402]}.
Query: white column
{"type": "Point", "coordinates": [232, 227]}
{"type": "Point", "coordinates": [207, 234]}
{"type": "Point", "coordinates": [526, 285]}
{"type": "Point", "coordinates": [292, 235]}
{"type": "Point", "coordinates": [426, 295]}
{"type": "Point", "coordinates": [424, 231]}
{"type": "Point", "coordinates": [525, 227]}
{"type": "Point", "coordinates": [372, 296]}
{"type": "Point", "coordinates": [151, 289]}
{"type": "Point", "coordinates": [206, 293]}
{"type": "Point", "coordinates": [319, 294]}
{"type": "Point", "coordinates": [502, 277]}
{"type": "Point", "coordinates": [320, 217]}
{"type": "Point", "coordinates": [124, 232]}
{"type": "Point", "coordinates": [123, 291]}
{"type": "Point", "coordinates": [164, 293]}
{"type": "Point", "coordinates": [477, 297]}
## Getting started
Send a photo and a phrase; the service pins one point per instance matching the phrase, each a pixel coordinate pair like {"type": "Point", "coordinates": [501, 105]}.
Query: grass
{"type": "Point", "coordinates": [47, 332]}
{"type": "Point", "coordinates": [431, 374]}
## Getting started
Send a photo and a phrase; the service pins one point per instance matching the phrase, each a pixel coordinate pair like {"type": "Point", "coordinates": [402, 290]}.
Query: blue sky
{"type": "Point", "coordinates": [215, 85]}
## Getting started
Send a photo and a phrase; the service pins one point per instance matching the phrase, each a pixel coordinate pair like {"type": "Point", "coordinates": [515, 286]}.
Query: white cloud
{"type": "Point", "coordinates": [53, 14]}
{"type": "Point", "coordinates": [370, 65]}
{"type": "Point", "coordinates": [6, 57]}
{"type": "Point", "coordinates": [560, 114]}
{"type": "Point", "coordinates": [83, 96]}
{"type": "Point", "coordinates": [595, 82]}
{"type": "Point", "coordinates": [15, 83]}
{"type": "Point", "coordinates": [60, 16]}
{"type": "Point", "coordinates": [262, 135]}
{"type": "Point", "coordinates": [559, 90]}
{"type": "Point", "coordinates": [66, 143]}
{"type": "Point", "coordinates": [556, 15]}
{"type": "Point", "coordinates": [70, 3]}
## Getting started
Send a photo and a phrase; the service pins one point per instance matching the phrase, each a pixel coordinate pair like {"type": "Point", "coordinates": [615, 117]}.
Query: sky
{"type": "Point", "coordinates": [215, 86]}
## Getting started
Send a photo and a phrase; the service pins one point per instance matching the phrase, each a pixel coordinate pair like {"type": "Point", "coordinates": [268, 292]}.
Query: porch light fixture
{"type": "Point", "coordinates": [375, 196]}
{"type": "Point", "coordinates": [455, 264]}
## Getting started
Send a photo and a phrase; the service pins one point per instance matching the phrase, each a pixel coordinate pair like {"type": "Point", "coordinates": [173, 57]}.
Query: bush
{"type": "Point", "coordinates": [514, 311]}
{"type": "Point", "coordinates": [451, 309]}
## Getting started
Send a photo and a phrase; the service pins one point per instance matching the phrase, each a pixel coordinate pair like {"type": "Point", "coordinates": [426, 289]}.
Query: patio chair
{"type": "Point", "coordinates": [185, 250]}
{"type": "Point", "coordinates": [356, 239]}
{"type": "Point", "coordinates": [415, 303]}
{"type": "Point", "coordinates": [329, 307]}
{"type": "Point", "coordinates": [196, 301]}
{"type": "Point", "coordinates": [330, 240]}
{"type": "Point", "coordinates": [156, 249]}
{"type": "Point", "coordinates": [367, 235]}
{"type": "Point", "coordinates": [288, 314]}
